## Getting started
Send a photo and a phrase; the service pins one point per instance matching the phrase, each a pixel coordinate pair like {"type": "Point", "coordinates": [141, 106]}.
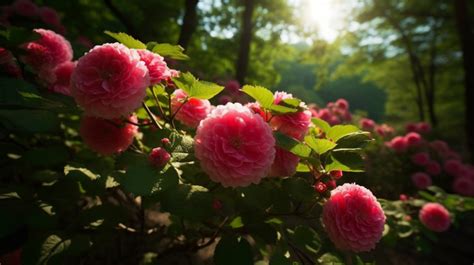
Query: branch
{"type": "Point", "coordinates": [122, 18]}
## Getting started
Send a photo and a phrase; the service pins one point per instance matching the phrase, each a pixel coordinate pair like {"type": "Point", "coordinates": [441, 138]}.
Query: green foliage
{"type": "Point", "coordinates": [127, 40]}
{"type": "Point", "coordinates": [167, 50]}
{"type": "Point", "coordinates": [233, 251]}
{"type": "Point", "coordinates": [262, 95]}
{"type": "Point", "coordinates": [196, 88]}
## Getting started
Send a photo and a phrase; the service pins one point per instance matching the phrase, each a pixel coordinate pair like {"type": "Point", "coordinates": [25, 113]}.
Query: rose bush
{"type": "Point", "coordinates": [118, 159]}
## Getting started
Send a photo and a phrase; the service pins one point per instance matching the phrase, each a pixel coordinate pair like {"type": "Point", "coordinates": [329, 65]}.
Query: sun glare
{"type": "Point", "coordinates": [324, 16]}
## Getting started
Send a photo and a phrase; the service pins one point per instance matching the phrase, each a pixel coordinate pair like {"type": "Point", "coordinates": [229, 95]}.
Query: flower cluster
{"type": "Point", "coordinates": [334, 113]}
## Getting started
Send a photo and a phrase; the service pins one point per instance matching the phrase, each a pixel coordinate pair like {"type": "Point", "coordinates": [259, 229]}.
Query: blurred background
{"type": "Point", "coordinates": [395, 61]}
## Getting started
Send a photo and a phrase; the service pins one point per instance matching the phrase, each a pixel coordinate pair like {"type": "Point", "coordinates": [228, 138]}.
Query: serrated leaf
{"type": "Point", "coordinates": [195, 88]}
{"type": "Point", "coordinates": [292, 145]}
{"type": "Point", "coordinates": [322, 124]}
{"type": "Point", "coordinates": [345, 160]}
{"type": "Point", "coordinates": [278, 109]}
{"type": "Point", "coordinates": [320, 146]}
{"type": "Point", "coordinates": [126, 40]}
{"type": "Point", "coordinates": [302, 168]}
{"type": "Point", "coordinates": [262, 95]}
{"type": "Point", "coordinates": [168, 50]}
{"type": "Point", "coordinates": [233, 251]}
{"type": "Point", "coordinates": [354, 140]}
{"type": "Point", "coordinates": [337, 132]}
{"type": "Point", "coordinates": [236, 222]}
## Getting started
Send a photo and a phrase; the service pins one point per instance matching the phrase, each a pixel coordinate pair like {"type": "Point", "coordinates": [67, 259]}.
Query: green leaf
{"type": "Point", "coordinates": [337, 132]}
{"type": "Point", "coordinates": [237, 222]}
{"type": "Point", "coordinates": [345, 160]}
{"type": "Point", "coordinates": [262, 95]}
{"type": "Point", "coordinates": [290, 102]}
{"type": "Point", "coordinates": [322, 124]}
{"type": "Point", "coordinates": [354, 140]}
{"type": "Point", "coordinates": [330, 259]}
{"type": "Point", "coordinates": [195, 88]}
{"type": "Point", "coordinates": [279, 110]}
{"type": "Point", "coordinates": [292, 145]}
{"type": "Point", "coordinates": [126, 40]}
{"type": "Point", "coordinates": [46, 156]}
{"type": "Point", "coordinates": [320, 146]}
{"type": "Point", "coordinates": [191, 202]}
{"type": "Point", "coordinates": [306, 238]}
{"type": "Point", "coordinates": [30, 121]}
{"type": "Point", "coordinates": [298, 188]}
{"type": "Point", "coordinates": [302, 168]}
{"type": "Point", "coordinates": [15, 36]}
{"type": "Point", "coordinates": [279, 259]}
{"type": "Point", "coordinates": [233, 251]}
{"type": "Point", "coordinates": [139, 179]}
{"type": "Point", "coordinates": [168, 50]}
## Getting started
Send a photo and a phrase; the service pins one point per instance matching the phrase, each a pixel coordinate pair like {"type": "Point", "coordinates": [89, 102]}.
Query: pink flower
{"type": "Point", "coordinates": [336, 174]}
{"type": "Point", "coordinates": [107, 137]}
{"type": "Point", "coordinates": [233, 87]}
{"type": "Point", "coordinates": [421, 180]}
{"type": "Point", "coordinates": [224, 99]}
{"type": "Point", "coordinates": [324, 114]}
{"type": "Point", "coordinates": [285, 163]}
{"type": "Point", "coordinates": [411, 127]}
{"type": "Point", "coordinates": [159, 157]}
{"type": "Point", "coordinates": [403, 197]}
{"type": "Point", "coordinates": [367, 124]}
{"type": "Point", "coordinates": [433, 168]}
{"type": "Point", "coordinates": [295, 124]}
{"type": "Point", "coordinates": [49, 16]}
{"type": "Point", "coordinates": [235, 147]}
{"type": "Point", "coordinates": [156, 65]}
{"type": "Point", "coordinates": [413, 139]}
{"type": "Point", "coordinates": [255, 108]}
{"type": "Point", "coordinates": [25, 8]}
{"type": "Point", "coordinates": [464, 186]}
{"type": "Point", "coordinates": [48, 51]}
{"type": "Point", "coordinates": [420, 159]}
{"type": "Point", "coordinates": [353, 218]}
{"type": "Point", "coordinates": [453, 167]}
{"type": "Point", "coordinates": [334, 120]}
{"type": "Point", "coordinates": [398, 144]}
{"type": "Point", "coordinates": [189, 113]}
{"type": "Point", "coordinates": [110, 81]}
{"type": "Point", "coordinates": [440, 146]}
{"type": "Point", "coordinates": [61, 82]}
{"type": "Point", "coordinates": [435, 217]}
{"type": "Point", "coordinates": [8, 63]}
{"type": "Point", "coordinates": [342, 104]}
{"type": "Point", "coordinates": [423, 127]}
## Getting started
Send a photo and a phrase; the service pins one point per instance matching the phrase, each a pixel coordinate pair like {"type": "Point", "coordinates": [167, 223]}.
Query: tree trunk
{"type": "Point", "coordinates": [245, 41]}
{"type": "Point", "coordinates": [466, 37]}
{"type": "Point", "coordinates": [189, 23]}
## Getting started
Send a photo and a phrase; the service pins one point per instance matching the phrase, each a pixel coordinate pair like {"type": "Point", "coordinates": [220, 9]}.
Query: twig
{"type": "Point", "coordinates": [152, 117]}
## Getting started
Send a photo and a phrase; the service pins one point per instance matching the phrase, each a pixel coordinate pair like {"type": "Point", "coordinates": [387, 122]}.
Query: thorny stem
{"type": "Point", "coordinates": [152, 117]}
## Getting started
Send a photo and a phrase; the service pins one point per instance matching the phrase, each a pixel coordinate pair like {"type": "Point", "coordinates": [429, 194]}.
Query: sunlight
{"type": "Point", "coordinates": [323, 15]}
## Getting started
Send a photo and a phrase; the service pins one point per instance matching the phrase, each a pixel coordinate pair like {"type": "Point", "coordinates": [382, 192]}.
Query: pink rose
{"type": "Point", "coordinates": [49, 16]}
{"type": "Point", "coordinates": [157, 68]}
{"type": "Point", "coordinates": [232, 87]}
{"type": "Point", "coordinates": [296, 124]}
{"type": "Point", "coordinates": [285, 163]}
{"type": "Point", "coordinates": [61, 78]}
{"type": "Point", "coordinates": [110, 81]}
{"type": "Point", "coordinates": [421, 159]}
{"type": "Point", "coordinates": [367, 124]}
{"type": "Point", "coordinates": [107, 137]}
{"type": "Point", "coordinates": [411, 127]}
{"type": "Point", "coordinates": [189, 113]}
{"type": "Point", "coordinates": [48, 51]}
{"type": "Point", "coordinates": [8, 63]}
{"type": "Point", "coordinates": [433, 168]}
{"type": "Point", "coordinates": [413, 139]}
{"type": "Point", "coordinates": [235, 147]}
{"type": "Point", "coordinates": [342, 104]}
{"type": "Point", "coordinates": [159, 157]}
{"type": "Point", "coordinates": [398, 144]}
{"type": "Point", "coordinates": [423, 127]}
{"type": "Point", "coordinates": [421, 180]}
{"type": "Point", "coordinates": [440, 146]}
{"type": "Point", "coordinates": [25, 8]}
{"type": "Point", "coordinates": [464, 186]}
{"type": "Point", "coordinates": [453, 167]}
{"type": "Point", "coordinates": [435, 217]}
{"type": "Point", "coordinates": [353, 218]}
{"type": "Point", "coordinates": [324, 114]}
